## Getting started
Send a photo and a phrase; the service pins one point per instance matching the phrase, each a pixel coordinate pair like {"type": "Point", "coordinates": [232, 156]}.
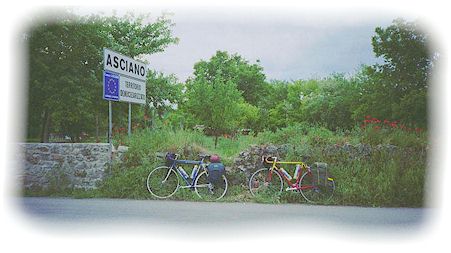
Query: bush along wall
{"type": "Point", "coordinates": [382, 172]}
{"type": "Point", "coordinates": [381, 175]}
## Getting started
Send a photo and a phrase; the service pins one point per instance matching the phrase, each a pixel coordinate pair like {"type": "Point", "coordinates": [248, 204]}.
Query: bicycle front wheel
{"type": "Point", "coordinates": [210, 191]}
{"type": "Point", "coordinates": [162, 182]}
{"type": "Point", "coordinates": [265, 183]}
{"type": "Point", "coordinates": [315, 189]}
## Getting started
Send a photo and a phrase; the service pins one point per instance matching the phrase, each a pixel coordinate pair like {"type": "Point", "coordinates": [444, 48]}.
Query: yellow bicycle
{"type": "Point", "coordinates": [315, 183]}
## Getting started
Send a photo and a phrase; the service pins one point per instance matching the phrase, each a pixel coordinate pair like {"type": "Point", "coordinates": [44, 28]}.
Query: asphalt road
{"type": "Point", "coordinates": [246, 217]}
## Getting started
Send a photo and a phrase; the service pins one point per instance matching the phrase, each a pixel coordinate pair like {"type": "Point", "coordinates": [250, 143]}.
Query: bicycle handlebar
{"type": "Point", "coordinates": [265, 159]}
{"type": "Point", "coordinates": [203, 156]}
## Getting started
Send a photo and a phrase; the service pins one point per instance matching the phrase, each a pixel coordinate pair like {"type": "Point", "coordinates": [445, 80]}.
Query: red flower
{"type": "Point", "coordinates": [376, 120]}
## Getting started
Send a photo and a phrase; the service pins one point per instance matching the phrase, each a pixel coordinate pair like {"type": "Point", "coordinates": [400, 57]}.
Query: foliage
{"type": "Point", "coordinates": [398, 88]}
{"type": "Point", "coordinates": [248, 78]}
{"type": "Point", "coordinates": [332, 103]}
{"type": "Point", "coordinates": [249, 117]}
{"type": "Point", "coordinates": [65, 66]}
{"type": "Point", "coordinates": [164, 92]}
{"type": "Point", "coordinates": [385, 177]}
{"type": "Point", "coordinates": [212, 95]}
{"type": "Point", "coordinates": [382, 104]}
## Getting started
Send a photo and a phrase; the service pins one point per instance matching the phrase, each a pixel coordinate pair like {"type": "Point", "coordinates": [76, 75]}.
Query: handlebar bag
{"type": "Point", "coordinates": [170, 159]}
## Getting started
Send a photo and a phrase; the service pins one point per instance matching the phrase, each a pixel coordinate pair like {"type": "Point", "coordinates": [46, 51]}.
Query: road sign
{"type": "Point", "coordinates": [111, 86]}
{"type": "Point", "coordinates": [123, 88]}
{"type": "Point", "coordinates": [132, 90]}
{"type": "Point", "coordinates": [124, 78]}
{"type": "Point", "coordinates": [123, 65]}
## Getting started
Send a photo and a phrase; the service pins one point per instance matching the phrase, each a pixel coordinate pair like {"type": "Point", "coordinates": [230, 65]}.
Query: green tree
{"type": "Point", "coordinates": [212, 95]}
{"type": "Point", "coordinates": [397, 89]}
{"type": "Point", "coordinates": [62, 60]}
{"type": "Point", "coordinates": [164, 93]}
{"type": "Point", "coordinates": [331, 104]}
{"type": "Point", "coordinates": [408, 55]}
{"type": "Point", "coordinates": [273, 105]}
{"type": "Point", "coordinates": [249, 78]}
{"type": "Point", "coordinates": [65, 66]}
{"type": "Point", "coordinates": [250, 117]}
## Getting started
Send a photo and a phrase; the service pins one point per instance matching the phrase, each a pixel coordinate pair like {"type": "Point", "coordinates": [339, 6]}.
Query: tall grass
{"type": "Point", "coordinates": [384, 178]}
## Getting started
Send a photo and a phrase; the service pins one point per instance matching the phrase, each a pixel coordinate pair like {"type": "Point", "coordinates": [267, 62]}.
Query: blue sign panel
{"type": "Point", "coordinates": [110, 86]}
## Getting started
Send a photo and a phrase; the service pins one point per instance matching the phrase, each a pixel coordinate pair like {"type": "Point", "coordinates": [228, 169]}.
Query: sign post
{"type": "Point", "coordinates": [129, 119]}
{"type": "Point", "coordinates": [110, 123]}
{"type": "Point", "coordinates": [124, 80]}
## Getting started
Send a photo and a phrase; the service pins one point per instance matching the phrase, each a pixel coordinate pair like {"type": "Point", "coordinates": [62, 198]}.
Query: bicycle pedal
{"type": "Point", "coordinates": [290, 189]}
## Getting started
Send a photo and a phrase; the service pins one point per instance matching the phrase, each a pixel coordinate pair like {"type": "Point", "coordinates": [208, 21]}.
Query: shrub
{"type": "Point", "coordinates": [384, 177]}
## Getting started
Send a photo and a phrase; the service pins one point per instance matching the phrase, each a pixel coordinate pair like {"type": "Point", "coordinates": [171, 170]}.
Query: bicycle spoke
{"type": "Point", "coordinates": [265, 184]}
{"type": "Point", "coordinates": [314, 190]}
{"type": "Point", "coordinates": [209, 191]}
{"type": "Point", "coordinates": [162, 182]}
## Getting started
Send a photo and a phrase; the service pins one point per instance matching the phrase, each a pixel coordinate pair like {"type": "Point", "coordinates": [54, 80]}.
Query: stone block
{"type": "Point", "coordinates": [82, 163]}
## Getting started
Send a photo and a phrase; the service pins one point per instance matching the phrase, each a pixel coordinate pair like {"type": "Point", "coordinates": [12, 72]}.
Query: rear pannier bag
{"type": "Point", "coordinates": [321, 174]}
{"type": "Point", "coordinates": [215, 172]}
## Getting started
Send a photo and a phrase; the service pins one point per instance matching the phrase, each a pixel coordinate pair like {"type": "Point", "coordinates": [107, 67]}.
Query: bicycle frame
{"type": "Point", "coordinates": [187, 180]}
{"type": "Point", "coordinates": [292, 186]}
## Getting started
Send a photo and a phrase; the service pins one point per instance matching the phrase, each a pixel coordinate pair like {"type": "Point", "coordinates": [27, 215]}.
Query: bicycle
{"type": "Point", "coordinates": [164, 181]}
{"type": "Point", "coordinates": [314, 185]}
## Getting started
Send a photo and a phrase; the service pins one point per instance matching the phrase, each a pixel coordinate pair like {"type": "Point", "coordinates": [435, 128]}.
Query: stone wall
{"type": "Point", "coordinates": [63, 165]}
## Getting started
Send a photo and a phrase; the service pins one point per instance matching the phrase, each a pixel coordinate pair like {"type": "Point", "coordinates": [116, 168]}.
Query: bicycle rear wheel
{"type": "Point", "coordinates": [162, 182]}
{"type": "Point", "coordinates": [314, 190]}
{"type": "Point", "coordinates": [265, 183]}
{"type": "Point", "coordinates": [210, 191]}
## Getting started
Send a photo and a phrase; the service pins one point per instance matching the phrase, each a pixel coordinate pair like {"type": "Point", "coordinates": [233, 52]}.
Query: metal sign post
{"type": "Point", "coordinates": [124, 80]}
{"type": "Point", "coordinates": [129, 119]}
{"type": "Point", "coordinates": [110, 122]}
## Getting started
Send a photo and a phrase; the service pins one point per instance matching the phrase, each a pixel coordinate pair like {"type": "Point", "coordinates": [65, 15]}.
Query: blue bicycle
{"type": "Point", "coordinates": [164, 181]}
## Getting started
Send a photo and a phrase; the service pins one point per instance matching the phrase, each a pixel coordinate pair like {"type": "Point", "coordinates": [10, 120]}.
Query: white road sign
{"type": "Point", "coordinates": [132, 90]}
{"type": "Point", "coordinates": [124, 78]}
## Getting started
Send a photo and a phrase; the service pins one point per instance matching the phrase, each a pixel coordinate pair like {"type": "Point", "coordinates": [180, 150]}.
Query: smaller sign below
{"type": "Point", "coordinates": [132, 90]}
{"type": "Point", "coordinates": [110, 86]}
{"type": "Point", "coordinates": [123, 88]}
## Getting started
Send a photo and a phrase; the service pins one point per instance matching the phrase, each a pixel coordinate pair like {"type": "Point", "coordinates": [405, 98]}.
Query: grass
{"type": "Point", "coordinates": [386, 178]}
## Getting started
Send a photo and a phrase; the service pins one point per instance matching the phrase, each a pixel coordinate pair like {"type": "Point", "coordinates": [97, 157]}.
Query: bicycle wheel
{"type": "Point", "coordinates": [210, 191]}
{"type": "Point", "coordinates": [265, 183]}
{"type": "Point", "coordinates": [314, 191]}
{"type": "Point", "coordinates": [162, 182]}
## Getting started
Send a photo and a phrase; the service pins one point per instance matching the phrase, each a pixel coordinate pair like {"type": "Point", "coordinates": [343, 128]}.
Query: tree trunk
{"type": "Point", "coordinates": [45, 127]}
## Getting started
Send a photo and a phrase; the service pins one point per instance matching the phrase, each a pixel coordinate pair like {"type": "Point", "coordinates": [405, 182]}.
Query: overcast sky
{"type": "Point", "coordinates": [290, 44]}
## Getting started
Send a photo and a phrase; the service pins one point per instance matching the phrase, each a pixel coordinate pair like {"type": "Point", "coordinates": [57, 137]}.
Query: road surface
{"type": "Point", "coordinates": [246, 217]}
